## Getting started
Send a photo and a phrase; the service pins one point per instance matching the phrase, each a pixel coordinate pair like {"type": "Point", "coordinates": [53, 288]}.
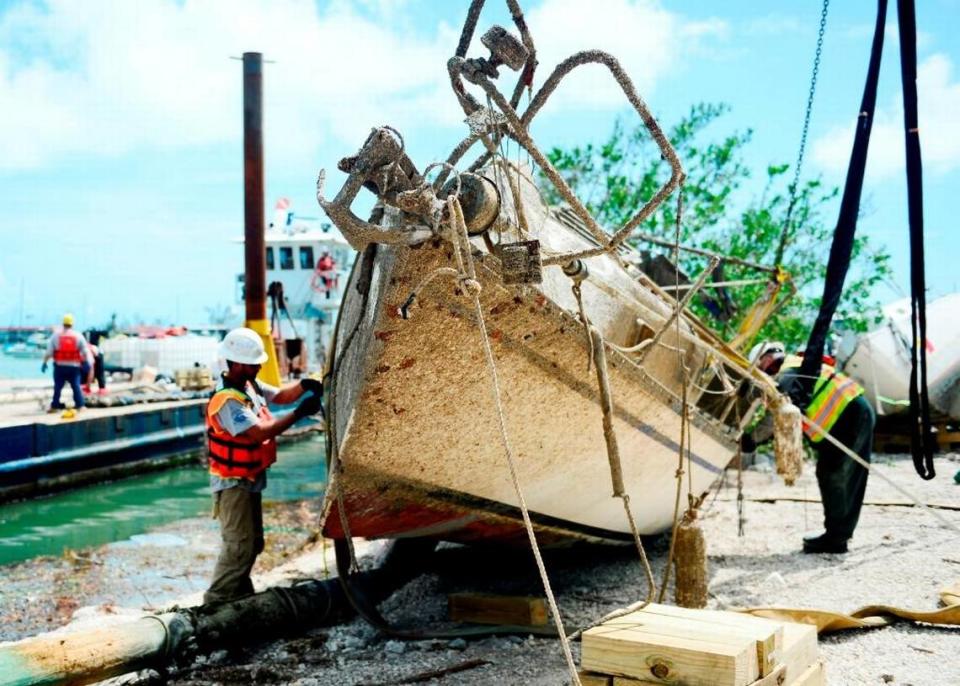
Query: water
{"type": "Point", "coordinates": [118, 510]}
{"type": "Point", "coordinates": [22, 368]}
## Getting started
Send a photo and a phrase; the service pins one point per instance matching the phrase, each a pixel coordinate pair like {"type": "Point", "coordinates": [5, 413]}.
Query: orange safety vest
{"type": "Point", "coordinates": [236, 457]}
{"type": "Point", "coordinates": [832, 392]}
{"type": "Point", "coordinates": [68, 348]}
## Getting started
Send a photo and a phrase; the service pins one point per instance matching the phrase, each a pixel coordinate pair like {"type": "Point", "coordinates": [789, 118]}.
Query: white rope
{"type": "Point", "coordinates": [473, 288]}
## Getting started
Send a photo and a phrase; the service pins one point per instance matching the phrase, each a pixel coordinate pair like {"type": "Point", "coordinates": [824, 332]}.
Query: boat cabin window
{"type": "Point", "coordinates": [286, 258]}
{"type": "Point", "coordinates": [270, 263]}
{"type": "Point", "coordinates": [306, 257]}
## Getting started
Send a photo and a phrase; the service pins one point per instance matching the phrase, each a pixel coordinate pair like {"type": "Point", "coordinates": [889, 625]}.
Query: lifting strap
{"type": "Point", "coordinates": [842, 246]}
{"type": "Point", "coordinates": [922, 440]}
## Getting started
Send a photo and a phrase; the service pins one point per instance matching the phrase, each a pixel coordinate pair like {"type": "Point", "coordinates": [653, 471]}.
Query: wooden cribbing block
{"type": "Point", "coordinates": [815, 675]}
{"type": "Point", "coordinates": [777, 677]}
{"type": "Point", "coordinates": [483, 608]}
{"type": "Point", "coordinates": [622, 647]}
{"type": "Point", "coordinates": [594, 679]}
{"type": "Point", "coordinates": [767, 633]}
{"type": "Point", "coordinates": [799, 649]}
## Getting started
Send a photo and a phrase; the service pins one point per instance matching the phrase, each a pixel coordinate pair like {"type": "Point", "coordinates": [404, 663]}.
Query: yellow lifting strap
{"type": "Point", "coordinates": [868, 617]}
{"type": "Point", "coordinates": [763, 308]}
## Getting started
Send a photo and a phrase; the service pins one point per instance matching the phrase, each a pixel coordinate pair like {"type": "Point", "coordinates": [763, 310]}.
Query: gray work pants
{"type": "Point", "coordinates": [842, 481]}
{"type": "Point", "coordinates": [241, 530]}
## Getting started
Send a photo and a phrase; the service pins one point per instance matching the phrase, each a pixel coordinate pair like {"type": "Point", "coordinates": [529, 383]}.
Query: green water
{"type": "Point", "coordinates": [115, 511]}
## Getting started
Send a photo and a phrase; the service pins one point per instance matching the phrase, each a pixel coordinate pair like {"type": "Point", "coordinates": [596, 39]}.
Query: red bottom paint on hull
{"type": "Point", "coordinates": [371, 515]}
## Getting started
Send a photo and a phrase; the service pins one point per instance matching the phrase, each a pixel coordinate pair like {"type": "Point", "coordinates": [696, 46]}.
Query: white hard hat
{"type": "Point", "coordinates": [765, 348]}
{"type": "Point", "coordinates": [243, 345]}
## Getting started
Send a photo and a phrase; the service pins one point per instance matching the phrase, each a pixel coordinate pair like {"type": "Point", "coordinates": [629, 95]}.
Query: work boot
{"type": "Point", "coordinates": [824, 543]}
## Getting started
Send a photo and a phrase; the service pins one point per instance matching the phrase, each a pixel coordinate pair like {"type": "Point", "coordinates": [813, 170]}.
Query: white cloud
{"type": "Point", "coordinates": [939, 102]}
{"type": "Point", "coordinates": [774, 25]}
{"type": "Point", "coordinates": [648, 41]}
{"type": "Point", "coordinates": [106, 78]}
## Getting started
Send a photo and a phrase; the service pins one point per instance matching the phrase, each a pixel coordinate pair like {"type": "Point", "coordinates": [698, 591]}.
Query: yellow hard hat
{"type": "Point", "coordinates": [68, 319]}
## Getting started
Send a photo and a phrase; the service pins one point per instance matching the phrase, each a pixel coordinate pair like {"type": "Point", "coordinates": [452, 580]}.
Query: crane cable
{"type": "Point", "coordinates": [785, 233]}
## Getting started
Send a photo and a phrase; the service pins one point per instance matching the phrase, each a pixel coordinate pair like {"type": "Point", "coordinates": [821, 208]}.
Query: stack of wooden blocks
{"type": "Point", "coordinates": [193, 378]}
{"type": "Point", "coordinates": [662, 644]}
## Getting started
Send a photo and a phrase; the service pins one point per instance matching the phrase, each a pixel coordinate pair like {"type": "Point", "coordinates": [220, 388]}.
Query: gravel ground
{"type": "Point", "coordinates": [900, 556]}
{"type": "Point", "coordinates": [148, 571]}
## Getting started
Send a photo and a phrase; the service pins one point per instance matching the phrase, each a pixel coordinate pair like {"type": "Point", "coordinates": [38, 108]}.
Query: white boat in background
{"type": "Point", "coordinates": [311, 261]}
{"type": "Point", "coordinates": [34, 347]}
{"type": "Point", "coordinates": [880, 359]}
{"type": "Point", "coordinates": [22, 350]}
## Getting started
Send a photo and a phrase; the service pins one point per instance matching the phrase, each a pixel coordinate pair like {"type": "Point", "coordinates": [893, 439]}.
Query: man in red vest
{"type": "Point", "coordinates": [68, 348]}
{"type": "Point", "coordinates": [241, 445]}
{"type": "Point", "coordinates": [839, 408]}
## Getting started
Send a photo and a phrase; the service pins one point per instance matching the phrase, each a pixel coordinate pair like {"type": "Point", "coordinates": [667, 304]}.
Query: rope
{"type": "Point", "coordinates": [473, 288]}
{"type": "Point", "coordinates": [685, 437]}
{"type": "Point", "coordinates": [334, 489]}
{"type": "Point", "coordinates": [645, 346]}
{"type": "Point", "coordinates": [613, 455]}
{"type": "Point", "coordinates": [597, 354]}
{"type": "Point", "coordinates": [405, 307]}
{"type": "Point", "coordinates": [608, 243]}
{"type": "Point", "coordinates": [578, 294]}
{"type": "Point", "coordinates": [676, 503]}
{"type": "Point", "coordinates": [741, 520]}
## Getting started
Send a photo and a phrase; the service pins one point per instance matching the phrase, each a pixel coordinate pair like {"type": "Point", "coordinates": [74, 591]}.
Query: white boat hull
{"type": "Point", "coordinates": [417, 422]}
{"type": "Point", "coordinates": [880, 360]}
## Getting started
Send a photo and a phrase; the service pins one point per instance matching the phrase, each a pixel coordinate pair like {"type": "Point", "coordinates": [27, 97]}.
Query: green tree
{"type": "Point", "coordinates": [615, 179]}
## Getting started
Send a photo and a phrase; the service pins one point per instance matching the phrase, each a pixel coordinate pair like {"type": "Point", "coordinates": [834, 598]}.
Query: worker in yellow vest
{"type": "Point", "coordinates": [838, 406]}
{"type": "Point", "coordinates": [241, 445]}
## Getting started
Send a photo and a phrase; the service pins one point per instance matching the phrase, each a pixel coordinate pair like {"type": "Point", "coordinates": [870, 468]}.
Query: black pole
{"type": "Point", "coordinates": [254, 245]}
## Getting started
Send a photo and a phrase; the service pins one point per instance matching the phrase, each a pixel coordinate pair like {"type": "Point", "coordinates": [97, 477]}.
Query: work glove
{"type": "Point", "coordinates": [315, 386]}
{"type": "Point", "coordinates": [308, 407]}
{"type": "Point", "coordinates": [43, 368]}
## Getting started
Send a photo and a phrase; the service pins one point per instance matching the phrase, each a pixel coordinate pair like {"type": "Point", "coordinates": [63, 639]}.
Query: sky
{"type": "Point", "coordinates": [121, 177]}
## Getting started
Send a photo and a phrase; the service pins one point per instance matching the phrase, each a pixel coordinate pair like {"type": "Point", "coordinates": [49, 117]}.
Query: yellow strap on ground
{"type": "Point", "coordinates": [868, 617]}
{"type": "Point", "coordinates": [951, 595]}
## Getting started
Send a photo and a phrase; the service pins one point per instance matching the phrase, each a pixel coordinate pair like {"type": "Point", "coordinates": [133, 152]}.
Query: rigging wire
{"type": "Point", "coordinates": [785, 233]}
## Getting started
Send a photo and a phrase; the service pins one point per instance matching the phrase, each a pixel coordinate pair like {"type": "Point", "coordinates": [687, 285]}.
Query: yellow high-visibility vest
{"type": "Point", "coordinates": [832, 393]}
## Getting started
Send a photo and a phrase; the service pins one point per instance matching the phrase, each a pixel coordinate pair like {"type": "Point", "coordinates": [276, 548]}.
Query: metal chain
{"type": "Point", "coordinates": [784, 236]}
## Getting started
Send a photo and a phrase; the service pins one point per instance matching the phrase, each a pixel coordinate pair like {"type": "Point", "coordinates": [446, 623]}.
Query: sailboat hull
{"type": "Point", "coordinates": [417, 423]}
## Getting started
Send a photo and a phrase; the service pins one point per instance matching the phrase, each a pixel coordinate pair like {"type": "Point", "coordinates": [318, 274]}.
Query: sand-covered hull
{"type": "Point", "coordinates": [417, 424]}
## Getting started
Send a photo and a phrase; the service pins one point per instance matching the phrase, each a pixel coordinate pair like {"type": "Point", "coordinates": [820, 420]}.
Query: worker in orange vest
{"type": "Point", "coordinates": [241, 445]}
{"type": "Point", "coordinates": [68, 348]}
{"type": "Point", "coordinates": [839, 407]}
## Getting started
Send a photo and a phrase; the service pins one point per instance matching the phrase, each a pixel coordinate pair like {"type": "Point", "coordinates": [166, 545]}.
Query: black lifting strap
{"type": "Point", "coordinates": [922, 440]}
{"type": "Point", "coordinates": [842, 247]}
